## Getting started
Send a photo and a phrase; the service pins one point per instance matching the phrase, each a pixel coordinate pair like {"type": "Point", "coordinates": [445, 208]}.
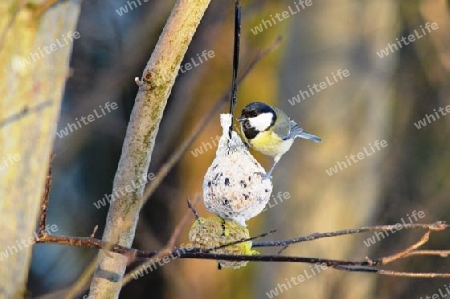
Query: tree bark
{"type": "Point", "coordinates": [158, 79]}
{"type": "Point", "coordinates": [35, 47]}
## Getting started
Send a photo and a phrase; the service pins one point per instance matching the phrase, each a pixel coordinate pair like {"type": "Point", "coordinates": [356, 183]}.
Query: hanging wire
{"type": "Point", "coordinates": [236, 48]}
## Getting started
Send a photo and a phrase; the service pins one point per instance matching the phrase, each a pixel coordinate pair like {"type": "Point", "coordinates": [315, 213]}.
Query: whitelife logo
{"type": "Point", "coordinates": [430, 117]}
{"type": "Point", "coordinates": [440, 295]}
{"type": "Point", "coordinates": [9, 161]}
{"type": "Point", "coordinates": [361, 155]}
{"type": "Point", "coordinates": [24, 243]}
{"type": "Point", "coordinates": [297, 7]}
{"type": "Point", "coordinates": [206, 146]}
{"type": "Point", "coordinates": [194, 62]}
{"type": "Point", "coordinates": [107, 198]}
{"type": "Point", "coordinates": [314, 270]}
{"type": "Point", "coordinates": [206, 55]}
{"type": "Point", "coordinates": [275, 200]}
{"type": "Point", "coordinates": [65, 40]}
{"type": "Point", "coordinates": [131, 4]}
{"type": "Point", "coordinates": [107, 108]}
{"type": "Point", "coordinates": [316, 88]}
{"type": "Point", "coordinates": [381, 235]}
{"type": "Point", "coordinates": [391, 48]}
{"type": "Point", "coordinates": [162, 261]}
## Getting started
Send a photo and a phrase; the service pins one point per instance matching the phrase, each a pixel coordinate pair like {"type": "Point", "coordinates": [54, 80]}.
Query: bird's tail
{"type": "Point", "coordinates": [308, 136]}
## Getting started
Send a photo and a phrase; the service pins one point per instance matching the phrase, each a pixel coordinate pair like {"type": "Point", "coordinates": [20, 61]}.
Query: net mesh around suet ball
{"type": "Point", "coordinates": [234, 187]}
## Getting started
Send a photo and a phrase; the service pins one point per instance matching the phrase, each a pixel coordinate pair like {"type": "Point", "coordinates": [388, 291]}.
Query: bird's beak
{"type": "Point", "coordinates": [240, 118]}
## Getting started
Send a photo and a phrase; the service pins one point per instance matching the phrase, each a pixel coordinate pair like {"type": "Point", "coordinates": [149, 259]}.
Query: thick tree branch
{"type": "Point", "coordinates": [31, 84]}
{"type": "Point", "coordinates": [155, 87]}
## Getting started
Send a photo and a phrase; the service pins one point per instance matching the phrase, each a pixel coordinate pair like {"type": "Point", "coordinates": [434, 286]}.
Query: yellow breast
{"type": "Point", "coordinates": [270, 144]}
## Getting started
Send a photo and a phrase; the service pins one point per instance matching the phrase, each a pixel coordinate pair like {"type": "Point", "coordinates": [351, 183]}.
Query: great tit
{"type": "Point", "coordinates": [270, 131]}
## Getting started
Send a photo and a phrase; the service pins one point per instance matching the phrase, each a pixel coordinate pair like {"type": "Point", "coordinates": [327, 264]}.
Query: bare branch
{"type": "Point", "coordinates": [441, 253]}
{"type": "Point", "coordinates": [437, 226]}
{"type": "Point", "coordinates": [44, 203]}
{"type": "Point", "coordinates": [413, 275]}
{"type": "Point", "coordinates": [367, 265]}
{"type": "Point", "coordinates": [403, 253]}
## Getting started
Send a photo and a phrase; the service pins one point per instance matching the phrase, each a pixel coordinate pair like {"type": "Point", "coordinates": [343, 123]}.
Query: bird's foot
{"type": "Point", "coordinates": [265, 175]}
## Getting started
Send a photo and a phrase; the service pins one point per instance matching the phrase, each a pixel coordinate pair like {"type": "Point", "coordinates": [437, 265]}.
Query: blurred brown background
{"type": "Point", "coordinates": [380, 100]}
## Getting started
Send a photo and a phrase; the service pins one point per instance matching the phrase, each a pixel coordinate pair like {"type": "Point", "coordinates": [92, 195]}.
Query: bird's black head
{"type": "Point", "coordinates": [256, 117]}
{"type": "Point", "coordinates": [254, 109]}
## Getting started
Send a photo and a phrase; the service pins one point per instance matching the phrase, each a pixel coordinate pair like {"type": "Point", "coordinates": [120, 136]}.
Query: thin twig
{"type": "Point", "coordinates": [356, 268]}
{"type": "Point", "coordinates": [273, 258]}
{"type": "Point", "coordinates": [192, 208]}
{"type": "Point", "coordinates": [414, 275]}
{"type": "Point", "coordinates": [87, 242]}
{"type": "Point", "coordinates": [94, 231]}
{"type": "Point", "coordinates": [403, 253]}
{"type": "Point", "coordinates": [436, 226]}
{"type": "Point", "coordinates": [282, 249]}
{"type": "Point", "coordinates": [44, 202]}
{"type": "Point", "coordinates": [441, 253]}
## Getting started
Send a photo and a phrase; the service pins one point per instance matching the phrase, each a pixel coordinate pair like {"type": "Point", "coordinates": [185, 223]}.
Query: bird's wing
{"type": "Point", "coordinates": [295, 130]}
{"type": "Point", "coordinates": [286, 128]}
{"type": "Point", "coordinates": [298, 132]}
{"type": "Point", "coordinates": [281, 127]}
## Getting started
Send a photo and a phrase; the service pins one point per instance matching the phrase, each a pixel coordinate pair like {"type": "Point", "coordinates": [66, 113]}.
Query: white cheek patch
{"type": "Point", "coordinates": [261, 122]}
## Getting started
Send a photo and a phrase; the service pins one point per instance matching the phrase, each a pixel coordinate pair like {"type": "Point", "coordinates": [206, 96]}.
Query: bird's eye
{"type": "Point", "coordinates": [253, 114]}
